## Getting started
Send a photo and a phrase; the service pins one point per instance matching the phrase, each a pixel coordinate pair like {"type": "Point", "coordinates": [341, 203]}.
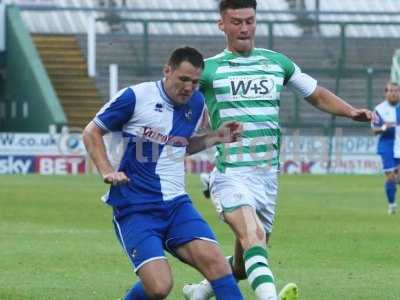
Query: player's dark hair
{"type": "Point", "coordinates": [236, 4]}
{"type": "Point", "coordinates": [188, 54]}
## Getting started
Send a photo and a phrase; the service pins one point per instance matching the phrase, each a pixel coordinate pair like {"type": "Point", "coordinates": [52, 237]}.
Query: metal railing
{"type": "Point", "coordinates": [339, 71]}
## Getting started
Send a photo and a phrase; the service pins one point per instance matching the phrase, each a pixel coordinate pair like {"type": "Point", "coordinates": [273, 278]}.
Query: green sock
{"type": "Point", "coordinates": [259, 274]}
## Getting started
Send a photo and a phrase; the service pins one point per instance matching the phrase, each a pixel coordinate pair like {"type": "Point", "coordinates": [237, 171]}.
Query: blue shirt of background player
{"type": "Point", "coordinates": [386, 113]}
{"type": "Point", "coordinates": [156, 132]}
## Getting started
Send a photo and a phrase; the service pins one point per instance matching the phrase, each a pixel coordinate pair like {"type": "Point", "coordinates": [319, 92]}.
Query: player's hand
{"type": "Point", "coordinates": [230, 132]}
{"type": "Point", "coordinates": [361, 115]}
{"type": "Point", "coordinates": [115, 178]}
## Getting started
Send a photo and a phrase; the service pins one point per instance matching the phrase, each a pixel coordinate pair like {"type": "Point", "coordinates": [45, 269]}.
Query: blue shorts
{"type": "Point", "coordinates": [389, 163]}
{"type": "Point", "coordinates": [146, 230]}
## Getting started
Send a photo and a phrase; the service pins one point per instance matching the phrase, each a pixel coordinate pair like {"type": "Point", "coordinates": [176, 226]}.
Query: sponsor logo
{"type": "Point", "coordinates": [16, 164]}
{"type": "Point", "coordinates": [252, 88]}
{"type": "Point", "coordinates": [68, 143]}
{"type": "Point", "coordinates": [159, 107]}
{"type": "Point", "coordinates": [60, 165]}
{"type": "Point", "coordinates": [71, 143]}
{"type": "Point", "coordinates": [21, 140]}
{"type": "Point", "coordinates": [155, 136]}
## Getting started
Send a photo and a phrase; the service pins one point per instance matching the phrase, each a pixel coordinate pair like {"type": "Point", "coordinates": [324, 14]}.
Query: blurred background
{"type": "Point", "coordinates": [62, 60]}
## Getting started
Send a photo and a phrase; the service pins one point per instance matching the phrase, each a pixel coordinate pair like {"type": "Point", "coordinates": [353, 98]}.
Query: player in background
{"type": "Point", "coordinates": [151, 210]}
{"type": "Point", "coordinates": [386, 124]}
{"type": "Point", "coordinates": [244, 83]}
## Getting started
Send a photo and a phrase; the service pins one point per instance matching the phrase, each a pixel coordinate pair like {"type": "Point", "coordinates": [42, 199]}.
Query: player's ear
{"type": "Point", "coordinates": [167, 70]}
{"type": "Point", "coordinates": [220, 24]}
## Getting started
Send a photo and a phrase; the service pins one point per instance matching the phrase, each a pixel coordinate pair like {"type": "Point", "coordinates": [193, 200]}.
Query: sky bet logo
{"type": "Point", "coordinates": [252, 88]}
{"type": "Point", "coordinates": [16, 164]}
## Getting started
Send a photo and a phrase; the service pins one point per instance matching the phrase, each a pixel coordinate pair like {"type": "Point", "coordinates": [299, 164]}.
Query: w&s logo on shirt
{"type": "Point", "coordinates": [250, 87]}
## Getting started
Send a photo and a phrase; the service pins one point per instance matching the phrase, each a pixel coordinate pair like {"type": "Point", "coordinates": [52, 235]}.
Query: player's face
{"type": "Point", "coordinates": [392, 93]}
{"type": "Point", "coordinates": [239, 26]}
{"type": "Point", "coordinates": [181, 82]}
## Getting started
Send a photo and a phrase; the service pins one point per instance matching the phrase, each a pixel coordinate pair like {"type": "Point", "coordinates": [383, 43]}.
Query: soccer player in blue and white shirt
{"type": "Point", "coordinates": [152, 210]}
{"type": "Point", "coordinates": [386, 124]}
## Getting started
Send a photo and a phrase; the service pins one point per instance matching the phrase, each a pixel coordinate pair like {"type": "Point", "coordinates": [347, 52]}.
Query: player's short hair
{"type": "Point", "coordinates": [188, 54]}
{"type": "Point", "coordinates": [236, 4]}
{"type": "Point", "coordinates": [390, 83]}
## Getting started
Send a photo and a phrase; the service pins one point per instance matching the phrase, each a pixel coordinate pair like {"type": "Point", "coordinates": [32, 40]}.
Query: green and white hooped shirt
{"type": "Point", "coordinates": [247, 89]}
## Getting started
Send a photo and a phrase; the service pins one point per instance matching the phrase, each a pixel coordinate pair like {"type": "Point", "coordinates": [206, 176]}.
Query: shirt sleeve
{"type": "Point", "coordinates": [377, 120]}
{"type": "Point", "coordinates": [301, 83]}
{"type": "Point", "coordinates": [202, 122]}
{"type": "Point", "coordinates": [118, 111]}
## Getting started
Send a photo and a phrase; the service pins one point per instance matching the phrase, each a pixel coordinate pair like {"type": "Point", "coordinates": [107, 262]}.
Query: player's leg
{"type": "Point", "coordinates": [389, 167]}
{"type": "Point", "coordinates": [190, 238]}
{"type": "Point", "coordinates": [239, 211]}
{"type": "Point", "coordinates": [251, 235]}
{"type": "Point", "coordinates": [146, 253]}
{"type": "Point", "coordinates": [266, 212]}
{"type": "Point", "coordinates": [260, 192]}
{"type": "Point", "coordinates": [207, 258]}
{"type": "Point", "coordinates": [155, 281]}
{"type": "Point", "coordinates": [391, 189]}
{"type": "Point", "coordinates": [203, 290]}
{"type": "Point", "coordinates": [232, 197]}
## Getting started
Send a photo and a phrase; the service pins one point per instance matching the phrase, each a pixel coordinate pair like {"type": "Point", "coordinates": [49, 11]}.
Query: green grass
{"type": "Point", "coordinates": [332, 237]}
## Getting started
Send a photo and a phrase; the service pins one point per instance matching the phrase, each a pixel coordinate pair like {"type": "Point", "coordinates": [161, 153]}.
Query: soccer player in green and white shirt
{"type": "Point", "coordinates": [244, 83]}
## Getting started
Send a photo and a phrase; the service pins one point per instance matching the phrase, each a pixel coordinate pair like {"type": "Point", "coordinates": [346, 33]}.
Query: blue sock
{"type": "Point", "coordinates": [226, 288]}
{"type": "Point", "coordinates": [390, 188]}
{"type": "Point", "coordinates": [136, 293]}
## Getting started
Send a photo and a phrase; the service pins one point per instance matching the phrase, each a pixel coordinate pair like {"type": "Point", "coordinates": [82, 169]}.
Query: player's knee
{"type": "Point", "coordinates": [159, 289]}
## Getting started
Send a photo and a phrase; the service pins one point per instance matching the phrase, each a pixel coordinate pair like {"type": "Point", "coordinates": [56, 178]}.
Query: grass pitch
{"type": "Point", "coordinates": [332, 237]}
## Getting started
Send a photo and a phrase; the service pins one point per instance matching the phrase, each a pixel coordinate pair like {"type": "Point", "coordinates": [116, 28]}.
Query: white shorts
{"type": "Point", "coordinates": [257, 189]}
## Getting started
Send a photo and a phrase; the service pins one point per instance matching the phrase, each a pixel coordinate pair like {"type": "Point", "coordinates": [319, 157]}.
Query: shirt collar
{"type": "Point", "coordinates": [163, 93]}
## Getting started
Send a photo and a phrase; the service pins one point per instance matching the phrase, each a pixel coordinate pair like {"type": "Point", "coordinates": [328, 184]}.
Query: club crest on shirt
{"type": "Point", "coordinates": [134, 254]}
{"type": "Point", "coordinates": [159, 107]}
{"type": "Point", "coordinates": [264, 62]}
{"type": "Point", "coordinates": [188, 114]}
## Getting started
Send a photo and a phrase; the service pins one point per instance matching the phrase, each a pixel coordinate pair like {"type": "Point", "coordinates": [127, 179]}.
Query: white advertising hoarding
{"type": "Point", "coordinates": [22, 153]}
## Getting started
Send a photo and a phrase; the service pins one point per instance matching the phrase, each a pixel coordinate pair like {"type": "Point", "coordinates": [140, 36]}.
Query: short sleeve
{"type": "Point", "coordinates": [118, 111]}
{"type": "Point", "coordinates": [377, 120]}
{"type": "Point", "coordinates": [202, 122]}
{"type": "Point", "coordinates": [287, 65]}
{"type": "Point", "coordinates": [301, 83]}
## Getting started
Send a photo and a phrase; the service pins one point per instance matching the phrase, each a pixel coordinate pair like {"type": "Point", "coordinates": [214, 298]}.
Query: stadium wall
{"type": "Point", "coordinates": [32, 102]}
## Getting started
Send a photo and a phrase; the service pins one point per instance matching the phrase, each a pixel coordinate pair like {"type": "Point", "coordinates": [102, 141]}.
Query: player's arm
{"type": "Point", "coordinates": [94, 143]}
{"type": "Point", "coordinates": [378, 126]}
{"type": "Point", "coordinates": [382, 129]}
{"type": "Point", "coordinates": [328, 102]}
{"type": "Point", "coordinates": [228, 133]}
{"type": "Point", "coordinates": [306, 87]}
{"type": "Point", "coordinates": [111, 118]}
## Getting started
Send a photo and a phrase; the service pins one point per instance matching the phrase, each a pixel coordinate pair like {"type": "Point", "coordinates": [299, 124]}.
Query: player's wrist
{"type": "Point", "coordinates": [384, 127]}
{"type": "Point", "coordinates": [215, 138]}
{"type": "Point", "coordinates": [106, 173]}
